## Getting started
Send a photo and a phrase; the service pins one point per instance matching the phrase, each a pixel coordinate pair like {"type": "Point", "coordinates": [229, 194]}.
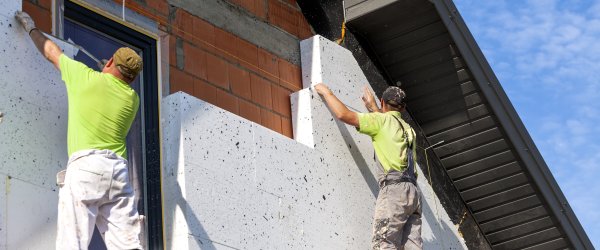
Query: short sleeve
{"type": "Point", "coordinates": [73, 72]}
{"type": "Point", "coordinates": [370, 123]}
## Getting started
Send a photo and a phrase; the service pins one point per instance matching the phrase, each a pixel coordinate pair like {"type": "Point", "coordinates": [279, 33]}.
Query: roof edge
{"type": "Point", "coordinates": [512, 124]}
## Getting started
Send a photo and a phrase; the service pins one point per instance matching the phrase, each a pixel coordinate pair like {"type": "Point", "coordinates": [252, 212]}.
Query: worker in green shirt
{"type": "Point", "coordinates": [397, 218]}
{"type": "Point", "coordinates": [95, 190]}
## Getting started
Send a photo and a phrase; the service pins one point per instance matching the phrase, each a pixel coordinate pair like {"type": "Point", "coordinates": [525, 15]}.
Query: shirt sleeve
{"type": "Point", "coordinates": [370, 123]}
{"type": "Point", "coordinates": [74, 72]}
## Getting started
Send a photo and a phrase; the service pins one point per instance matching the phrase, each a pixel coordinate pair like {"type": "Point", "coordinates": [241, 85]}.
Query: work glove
{"type": "Point", "coordinates": [25, 20]}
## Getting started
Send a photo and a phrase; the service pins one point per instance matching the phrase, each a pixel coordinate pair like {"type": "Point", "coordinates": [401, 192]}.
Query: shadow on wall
{"type": "Point", "coordinates": [361, 163]}
{"type": "Point", "coordinates": [192, 218]}
{"type": "Point", "coordinates": [181, 202]}
{"type": "Point", "coordinates": [438, 227]}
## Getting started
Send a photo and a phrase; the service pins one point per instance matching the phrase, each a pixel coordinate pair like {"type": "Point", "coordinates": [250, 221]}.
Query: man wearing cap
{"type": "Point", "coordinates": [397, 218]}
{"type": "Point", "coordinates": [95, 190]}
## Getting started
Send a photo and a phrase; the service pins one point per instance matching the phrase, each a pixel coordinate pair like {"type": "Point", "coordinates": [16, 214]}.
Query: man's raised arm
{"type": "Point", "coordinates": [47, 47]}
{"type": "Point", "coordinates": [340, 110]}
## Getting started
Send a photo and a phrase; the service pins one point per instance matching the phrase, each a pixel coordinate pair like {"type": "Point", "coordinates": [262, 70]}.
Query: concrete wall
{"type": "Point", "coordinates": [230, 183]}
{"type": "Point", "coordinates": [32, 138]}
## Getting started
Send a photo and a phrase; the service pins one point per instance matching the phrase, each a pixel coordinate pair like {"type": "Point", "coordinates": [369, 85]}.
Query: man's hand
{"type": "Point", "coordinates": [322, 89]}
{"type": "Point", "coordinates": [25, 20]}
{"type": "Point", "coordinates": [369, 100]}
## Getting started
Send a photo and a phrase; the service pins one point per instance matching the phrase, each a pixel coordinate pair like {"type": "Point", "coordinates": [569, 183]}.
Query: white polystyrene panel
{"type": "Point", "coordinates": [33, 132]}
{"type": "Point", "coordinates": [197, 243]}
{"type": "Point", "coordinates": [176, 232]}
{"type": "Point", "coordinates": [438, 231]}
{"type": "Point", "coordinates": [243, 186]}
{"type": "Point", "coordinates": [34, 79]}
{"type": "Point", "coordinates": [325, 61]}
{"type": "Point", "coordinates": [33, 141]}
{"type": "Point", "coordinates": [9, 7]}
{"type": "Point", "coordinates": [3, 205]}
{"type": "Point", "coordinates": [31, 217]}
{"type": "Point", "coordinates": [301, 117]}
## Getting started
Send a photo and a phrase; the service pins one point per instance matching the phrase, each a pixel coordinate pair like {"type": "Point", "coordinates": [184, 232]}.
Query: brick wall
{"type": "Point", "coordinates": [41, 12]}
{"type": "Point", "coordinates": [218, 66]}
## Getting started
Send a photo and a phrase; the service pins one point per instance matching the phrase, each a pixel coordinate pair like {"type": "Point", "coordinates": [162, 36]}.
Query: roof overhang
{"type": "Point", "coordinates": [455, 97]}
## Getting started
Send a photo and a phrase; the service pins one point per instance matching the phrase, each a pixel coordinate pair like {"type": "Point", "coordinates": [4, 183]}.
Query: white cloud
{"type": "Point", "coordinates": [546, 54]}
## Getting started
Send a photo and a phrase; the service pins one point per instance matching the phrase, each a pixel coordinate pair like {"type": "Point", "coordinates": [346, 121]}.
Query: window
{"type": "Point", "coordinates": [102, 37]}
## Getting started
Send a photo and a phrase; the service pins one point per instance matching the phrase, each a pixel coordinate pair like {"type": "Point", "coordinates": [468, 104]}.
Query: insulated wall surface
{"type": "Point", "coordinates": [231, 184]}
{"type": "Point", "coordinates": [32, 138]}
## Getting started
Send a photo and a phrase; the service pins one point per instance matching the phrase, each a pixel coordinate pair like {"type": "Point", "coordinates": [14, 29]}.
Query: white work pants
{"type": "Point", "coordinates": [97, 191]}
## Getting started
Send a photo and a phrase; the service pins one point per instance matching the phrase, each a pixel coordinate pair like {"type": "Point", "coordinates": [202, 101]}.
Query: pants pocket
{"type": "Point", "coordinates": [60, 178]}
{"type": "Point", "coordinates": [88, 180]}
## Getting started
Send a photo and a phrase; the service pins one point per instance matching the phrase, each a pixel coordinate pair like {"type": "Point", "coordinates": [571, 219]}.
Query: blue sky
{"type": "Point", "coordinates": [546, 54]}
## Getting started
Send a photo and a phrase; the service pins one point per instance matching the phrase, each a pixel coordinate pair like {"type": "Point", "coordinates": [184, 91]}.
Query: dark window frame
{"type": "Point", "coordinates": [152, 167]}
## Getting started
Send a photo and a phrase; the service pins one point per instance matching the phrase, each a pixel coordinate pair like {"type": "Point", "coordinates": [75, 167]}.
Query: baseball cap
{"type": "Point", "coordinates": [128, 62]}
{"type": "Point", "coordinates": [394, 96]}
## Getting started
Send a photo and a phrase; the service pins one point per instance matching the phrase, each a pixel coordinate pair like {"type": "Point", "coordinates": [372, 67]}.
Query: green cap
{"type": "Point", "coordinates": [128, 62]}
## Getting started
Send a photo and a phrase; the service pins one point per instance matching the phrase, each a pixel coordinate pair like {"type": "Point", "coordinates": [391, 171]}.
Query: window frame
{"type": "Point", "coordinates": [150, 116]}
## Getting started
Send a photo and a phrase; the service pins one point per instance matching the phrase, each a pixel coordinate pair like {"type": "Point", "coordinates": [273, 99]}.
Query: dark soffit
{"type": "Point", "coordinates": [455, 97]}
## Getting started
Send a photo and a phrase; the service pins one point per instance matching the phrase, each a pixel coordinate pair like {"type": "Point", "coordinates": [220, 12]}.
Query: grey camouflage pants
{"type": "Point", "coordinates": [397, 219]}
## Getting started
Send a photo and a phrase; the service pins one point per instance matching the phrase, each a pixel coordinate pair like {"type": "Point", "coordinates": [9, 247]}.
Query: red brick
{"type": "Point", "coordinates": [239, 80]}
{"type": "Point", "coordinates": [290, 75]}
{"type": "Point", "coordinates": [180, 81]}
{"type": "Point", "coordinates": [304, 29]}
{"type": "Point", "coordinates": [195, 61]}
{"type": "Point", "coordinates": [274, 10]}
{"type": "Point", "coordinates": [184, 24]}
{"type": "Point", "coordinates": [260, 8]}
{"type": "Point", "coordinates": [249, 111]}
{"type": "Point", "coordinates": [134, 5]}
{"type": "Point", "coordinates": [227, 101]}
{"type": "Point", "coordinates": [267, 62]}
{"type": "Point", "coordinates": [41, 16]}
{"type": "Point", "coordinates": [248, 5]}
{"type": "Point", "coordinates": [284, 16]}
{"type": "Point", "coordinates": [281, 101]}
{"type": "Point", "coordinates": [173, 50]}
{"type": "Point", "coordinates": [226, 43]}
{"type": "Point", "coordinates": [204, 33]}
{"type": "Point", "coordinates": [270, 120]}
{"type": "Point", "coordinates": [261, 91]}
{"type": "Point", "coordinates": [287, 127]}
{"type": "Point", "coordinates": [159, 6]}
{"type": "Point", "coordinates": [46, 4]}
{"type": "Point", "coordinates": [291, 2]}
{"type": "Point", "coordinates": [217, 71]}
{"type": "Point", "coordinates": [248, 54]}
{"type": "Point", "coordinates": [205, 91]}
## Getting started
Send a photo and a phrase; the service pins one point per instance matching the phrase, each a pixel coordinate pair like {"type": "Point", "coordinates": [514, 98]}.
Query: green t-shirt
{"type": "Point", "coordinates": [388, 139]}
{"type": "Point", "coordinates": [101, 108]}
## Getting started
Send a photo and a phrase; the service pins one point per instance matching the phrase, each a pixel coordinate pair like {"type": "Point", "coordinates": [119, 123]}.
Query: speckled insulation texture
{"type": "Point", "coordinates": [230, 183]}
{"type": "Point", "coordinates": [33, 132]}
